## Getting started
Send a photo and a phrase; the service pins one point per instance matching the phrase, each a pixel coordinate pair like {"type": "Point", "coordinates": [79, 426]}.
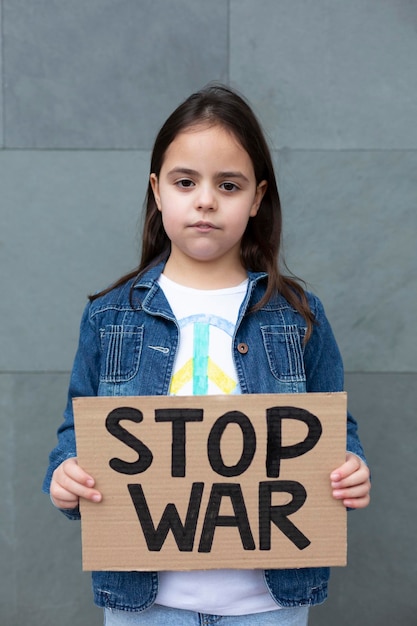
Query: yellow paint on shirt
{"type": "Point", "coordinates": [218, 376]}
{"type": "Point", "coordinates": [181, 378]}
{"type": "Point", "coordinates": [225, 383]}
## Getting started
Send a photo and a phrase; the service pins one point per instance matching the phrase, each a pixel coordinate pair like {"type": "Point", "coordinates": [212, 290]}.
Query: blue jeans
{"type": "Point", "coordinates": [163, 616]}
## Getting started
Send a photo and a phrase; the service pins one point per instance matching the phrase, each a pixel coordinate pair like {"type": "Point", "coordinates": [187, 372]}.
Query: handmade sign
{"type": "Point", "coordinates": [206, 482]}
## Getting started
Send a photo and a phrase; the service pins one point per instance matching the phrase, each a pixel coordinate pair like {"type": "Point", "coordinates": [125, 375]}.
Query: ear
{"type": "Point", "coordinates": [259, 194]}
{"type": "Point", "coordinates": [153, 179]}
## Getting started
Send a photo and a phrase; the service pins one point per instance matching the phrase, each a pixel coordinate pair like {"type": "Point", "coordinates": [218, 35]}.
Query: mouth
{"type": "Point", "coordinates": [204, 227]}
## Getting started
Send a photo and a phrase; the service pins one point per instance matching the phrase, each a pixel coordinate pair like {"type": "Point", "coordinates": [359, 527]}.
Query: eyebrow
{"type": "Point", "coordinates": [190, 172]}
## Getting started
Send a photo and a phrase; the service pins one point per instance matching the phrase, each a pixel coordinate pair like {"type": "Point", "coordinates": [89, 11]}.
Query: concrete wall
{"type": "Point", "coordinates": [84, 87]}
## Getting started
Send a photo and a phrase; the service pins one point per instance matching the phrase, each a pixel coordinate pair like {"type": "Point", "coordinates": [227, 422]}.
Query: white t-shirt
{"type": "Point", "coordinates": [204, 365]}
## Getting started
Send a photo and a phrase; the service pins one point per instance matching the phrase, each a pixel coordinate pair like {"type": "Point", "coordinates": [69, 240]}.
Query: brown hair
{"type": "Point", "coordinates": [261, 242]}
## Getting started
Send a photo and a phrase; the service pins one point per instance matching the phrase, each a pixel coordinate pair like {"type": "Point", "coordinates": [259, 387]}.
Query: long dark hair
{"type": "Point", "coordinates": [261, 242]}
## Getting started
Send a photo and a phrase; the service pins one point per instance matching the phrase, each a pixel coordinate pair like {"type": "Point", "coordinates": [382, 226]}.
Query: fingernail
{"type": "Point", "coordinates": [96, 497]}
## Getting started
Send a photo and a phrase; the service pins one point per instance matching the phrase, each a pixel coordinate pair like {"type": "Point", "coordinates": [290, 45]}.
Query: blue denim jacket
{"type": "Point", "coordinates": [126, 336]}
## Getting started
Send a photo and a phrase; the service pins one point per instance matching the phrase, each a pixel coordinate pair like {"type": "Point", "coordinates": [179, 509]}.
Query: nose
{"type": "Point", "coordinates": [206, 198]}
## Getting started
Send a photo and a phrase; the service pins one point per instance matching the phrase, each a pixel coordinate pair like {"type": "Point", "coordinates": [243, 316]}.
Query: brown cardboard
{"type": "Point", "coordinates": [232, 529]}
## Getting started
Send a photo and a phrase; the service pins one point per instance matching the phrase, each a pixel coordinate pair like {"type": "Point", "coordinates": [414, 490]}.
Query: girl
{"type": "Point", "coordinates": [207, 311]}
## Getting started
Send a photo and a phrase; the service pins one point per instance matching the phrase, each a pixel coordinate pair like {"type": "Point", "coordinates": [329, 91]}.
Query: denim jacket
{"type": "Point", "coordinates": [128, 334]}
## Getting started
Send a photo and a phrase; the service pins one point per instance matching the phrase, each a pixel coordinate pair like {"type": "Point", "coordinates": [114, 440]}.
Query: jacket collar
{"type": "Point", "coordinates": [149, 278]}
{"type": "Point", "coordinates": [152, 298]}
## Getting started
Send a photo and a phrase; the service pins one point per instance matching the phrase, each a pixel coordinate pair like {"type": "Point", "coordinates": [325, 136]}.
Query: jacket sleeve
{"type": "Point", "coordinates": [324, 368]}
{"type": "Point", "coordinates": [84, 382]}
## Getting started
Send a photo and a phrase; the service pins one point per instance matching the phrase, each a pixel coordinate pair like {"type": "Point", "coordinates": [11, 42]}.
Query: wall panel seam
{"type": "Point", "coordinates": [228, 43]}
{"type": "Point", "coordinates": [35, 372]}
{"type": "Point", "coordinates": [3, 79]}
{"type": "Point", "coordinates": [80, 149]}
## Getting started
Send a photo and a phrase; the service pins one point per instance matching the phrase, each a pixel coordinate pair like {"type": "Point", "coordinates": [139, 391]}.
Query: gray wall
{"type": "Point", "coordinates": [84, 87]}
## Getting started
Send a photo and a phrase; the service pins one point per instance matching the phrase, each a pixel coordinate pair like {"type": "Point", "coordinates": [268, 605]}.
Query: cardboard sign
{"type": "Point", "coordinates": [207, 482]}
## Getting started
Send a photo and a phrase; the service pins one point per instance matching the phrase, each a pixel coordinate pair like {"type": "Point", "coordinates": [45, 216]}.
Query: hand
{"type": "Point", "coordinates": [351, 483]}
{"type": "Point", "coordinates": [70, 483]}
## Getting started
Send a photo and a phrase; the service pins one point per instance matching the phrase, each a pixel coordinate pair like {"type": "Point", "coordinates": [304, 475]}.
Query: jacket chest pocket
{"type": "Point", "coordinates": [283, 347]}
{"type": "Point", "coordinates": [121, 349]}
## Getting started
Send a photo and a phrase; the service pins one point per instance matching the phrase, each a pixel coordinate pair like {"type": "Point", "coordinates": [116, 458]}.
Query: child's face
{"type": "Point", "coordinates": [206, 192]}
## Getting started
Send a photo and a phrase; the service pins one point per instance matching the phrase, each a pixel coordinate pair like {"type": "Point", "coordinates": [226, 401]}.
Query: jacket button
{"type": "Point", "coordinates": [243, 348]}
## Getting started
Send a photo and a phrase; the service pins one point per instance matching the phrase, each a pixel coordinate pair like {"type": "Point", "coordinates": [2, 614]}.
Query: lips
{"type": "Point", "coordinates": [204, 227]}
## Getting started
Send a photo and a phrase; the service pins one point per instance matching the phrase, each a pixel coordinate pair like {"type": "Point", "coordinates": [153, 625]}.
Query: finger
{"type": "Point", "coordinates": [70, 482]}
{"type": "Point", "coordinates": [352, 464]}
{"type": "Point", "coordinates": [80, 489]}
{"type": "Point", "coordinates": [71, 469]}
{"type": "Point", "coordinates": [358, 491]}
{"type": "Point", "coordinates": [64, 501]}
{"type": "Point", "coordinates": [61, 497]}
{"type": "Point", "coordinates": [357, 503]}
{"type": "Point", "coordinates": [357, 478]}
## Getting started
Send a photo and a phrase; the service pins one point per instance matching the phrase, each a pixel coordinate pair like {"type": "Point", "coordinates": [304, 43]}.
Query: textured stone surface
{"type": "Point", "coordinates": [40, 550]}
{"type": "Point", "coordinates": [331, 75]}
{"type": "Point", "coordinates": [105, 74]}
{"type": "Point", "coordinates": [70, 227]}
{"type": "Point", "coordinates": [378, 585]}
{"type": "Point", "coordinates": [350, 222]}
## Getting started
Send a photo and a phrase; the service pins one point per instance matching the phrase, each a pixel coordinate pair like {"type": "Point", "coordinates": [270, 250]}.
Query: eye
{"type": "Point", "coordinates": [184, 183]}
{"type": "Point", "coordinates": [228, 186]}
